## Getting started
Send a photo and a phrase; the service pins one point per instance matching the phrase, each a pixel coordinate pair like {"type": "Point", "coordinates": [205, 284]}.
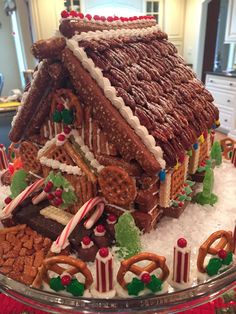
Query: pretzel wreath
{"type": "Point", "coordinates": [128, 265]}
{"type": "Point", "coordinates": [225, 242]}
{"type": "Point", "coordinates": [51, 263]}
{"type": "Point", "coordinates": [72, 102]}
{"type": "Point", "coordinates": [227, 145]}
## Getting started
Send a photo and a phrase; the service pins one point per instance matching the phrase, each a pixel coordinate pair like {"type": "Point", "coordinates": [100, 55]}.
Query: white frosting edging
{"type": "Point", "coordinates": [110, 91]}
{"type": "Point", "coordinates": [55, 164]}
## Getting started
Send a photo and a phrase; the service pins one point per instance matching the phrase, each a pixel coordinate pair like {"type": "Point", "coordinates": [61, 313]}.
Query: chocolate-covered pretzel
{"type": "Point", "coordinates": [49, 48]}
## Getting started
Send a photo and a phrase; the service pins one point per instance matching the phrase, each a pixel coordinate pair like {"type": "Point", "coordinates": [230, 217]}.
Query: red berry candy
{"type": "Point", "coordinates": [57, 201]}
{"type": "Point", "coordinates": [86, 240]}
{"type": "Point", "coordinates": [146, 278]}
{"type": "Point", "coordinates": [116, 18]}
{"type": "Point", "coordinates": [60, 107]}
{"type": "Point", "coordinates": [81, 15]}
{"type": "Point", "coordinates": [50, 196]}
{"type": "Point", "coordinates": [110, 19]}
{"type": "Point", "coordinates": [89, 16]}
{"type": "Point", "coordinates": [67, 130]}
{"type": "Point", "coordinates": [1, 145]}
{"type": "Point", "coordinates": [58, 192]}
{"type": "Point", "coordinates": [73, 13]}
{"type": "Point", "coordinates": [222, 254]}
{"type": "Point", "coordinates": [61, 137]}
{"type": "Point", "coordinates": [181, 204]}
{"type": "Point", "coordinates": [65, 14]}
{"type": "Point", "coordinates": [66, 280]}
{"type": "Point", "coordinates": [8, 200]}
{"type": "Point", "coordinates": [96, 17]}
{"type": "Point", "coordinates": [103, 18]}
{"type": "Point", "coordinates": [182, 243]}
{"type": "Point", "coordinates": [103, 252]}
{"type": "Point", "coordinates": [112, 217]}
{"type": "Point", "coordinates": [100, 228]}
{"type": "Point", "coordinates": [48, 187]}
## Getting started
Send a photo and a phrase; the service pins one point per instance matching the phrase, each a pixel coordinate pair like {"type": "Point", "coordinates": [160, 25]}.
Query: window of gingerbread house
{"type": "Point", "coordinates": [177, 181]}
{"type": "Point", "coordinates": [204, 152]}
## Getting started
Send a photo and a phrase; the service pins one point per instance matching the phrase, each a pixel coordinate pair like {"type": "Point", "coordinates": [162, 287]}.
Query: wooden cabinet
{"type": "Point", "coordinates": [174, 17]}
{"type": "Point", "coordinates": [230, 33]}
{"type": "Point", "coordinates": [223, 90]}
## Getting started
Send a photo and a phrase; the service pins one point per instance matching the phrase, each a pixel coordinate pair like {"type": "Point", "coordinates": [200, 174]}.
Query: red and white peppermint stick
{"type": "Point", "coordinates": [3, 158]}
{"type": "Point", "coordinates": [6, 212]}
{"type": "Point", "coordinates": [39, 198]}
{"type": "Point", "coordinates": [62, 241]}
{"type": "Point", "coordinates": [95, 216]}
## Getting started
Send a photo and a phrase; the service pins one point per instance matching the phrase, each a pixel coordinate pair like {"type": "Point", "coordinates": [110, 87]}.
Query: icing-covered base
{"type": "Point", "coordinates": [104, 295]}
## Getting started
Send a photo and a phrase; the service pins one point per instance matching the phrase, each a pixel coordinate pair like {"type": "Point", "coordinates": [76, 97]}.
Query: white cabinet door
{"type": "Point", "coordinates": [230, 33]}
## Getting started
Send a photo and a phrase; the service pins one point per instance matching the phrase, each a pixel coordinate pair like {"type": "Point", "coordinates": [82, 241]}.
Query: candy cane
{"type": "Point", "coordinates": [95, 216]}
{"type": "Point", "coordinates": [6, 212]}
{"type": "Point", "coordinates": [39, 198]}
{"type": "Point", "coordinates": [3, 158]}
{"type": "Point", "coordinates": [62, 241]}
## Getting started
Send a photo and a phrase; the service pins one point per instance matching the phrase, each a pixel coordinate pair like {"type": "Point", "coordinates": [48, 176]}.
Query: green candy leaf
{"type": "Point", "coordinates": [57, 116]}
{"type": "Point", "coordinates": [68, 197]}
{"type": "Point", "coordinates": [18, 183]}
{"type": "Point", "coordinates": [127, 236]}
{"type": "Point", "coordinates": [135, 286]}
{"type": "Point", "coordinates": [229, 259]}
{"type": "Point", "coordinates": [188, 190]}
{"type": "Point", "coordinates": [190, 183]}
{"type": "Point", "coordinates": [155, 284]}
{"type": "Point", "coordinates": [67, 116]}
{"type": "Point", "coordinates": [75, 288]}
{"type": "Point", "coordinates": [55, 284]}
{"type": "Point", "coordinates": [175, 203]}
{"type": "Point", "coordinates": [213, 266]}
{"type": "Point", "coordinates": [190, 153]}
{"type": "Point", "coordinates": [181, 197]}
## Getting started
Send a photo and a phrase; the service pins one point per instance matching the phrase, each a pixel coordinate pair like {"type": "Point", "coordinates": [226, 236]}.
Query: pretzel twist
{"type": "Point", "coordinates": [227, 145]}
{"type": "Point", "coordinates": [129, 266]}
{"type": "Point", "coordinates": [225, 242]}
{"type": "Point", "coordinates": [51, 263]}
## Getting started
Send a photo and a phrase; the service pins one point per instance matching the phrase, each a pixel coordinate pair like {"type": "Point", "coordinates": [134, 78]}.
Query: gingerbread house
{"type": "Point", "coordinates": [116, 110]}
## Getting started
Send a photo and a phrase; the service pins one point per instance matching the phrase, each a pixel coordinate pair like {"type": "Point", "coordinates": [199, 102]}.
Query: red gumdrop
{"type": "Point", "coordinates": [66, 280]}
{"type": "Point", "coordinates": [103, 18]}
{"type": "Point", "coordinates": [110, 19]}
{"type": "Point", "coordinates": [89, 16]}
{"type": "Point", "coordinates": [81, 15]}
{"type": "Point", "coordinates": [103, 252]}
{"type": "Point", "coordinates": [60, 107]}
{"type": "Point", "coordinates": [146, 278]}
{"type": "Point", "coordinates": [116, 18]}
{"type": "Point", "coordinates": [222, 254]}
{"type": "Point", "coordinates": [100, 228]}
{"type": "Point", "coordinates": [73, 13]}
{"type": "Point", "coordinates": [8, 200]}
{"type": "Point", "coordinates": [58, 192]}
{"type": "Point", "coordinates": [112, 217]}
{"type": "Point", "coordinates": [50, 196]}
{"type": "Point", "coordinates": [181, 243]}
{"type": "Point", "coordinates": [97, 17]}
{"type": "Point", "coordinates": [86, 240]}
{"type": "Point", "coordinates": [65, 14]}
{"type": "Point", "coordinates": [61, 137]}
{"type": "Point", "coordinates": [57, 201]}
{"type": "Point", "coordinates": [181, 204]}
{"type": "Point", "coordinates": [67, 130]}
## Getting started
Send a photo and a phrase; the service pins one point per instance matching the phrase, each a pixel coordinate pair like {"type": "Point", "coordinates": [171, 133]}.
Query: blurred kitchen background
{"type": "Point", "coordinates": [204, 32]}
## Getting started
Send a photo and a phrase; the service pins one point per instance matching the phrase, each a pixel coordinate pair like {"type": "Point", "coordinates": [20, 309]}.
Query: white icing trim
{"type": "Point", "coordinates": [46, 147]}
{"type": "Point", "coordinates": [110, 91]}
{"type": "Point", "coordinates": [55, 164]}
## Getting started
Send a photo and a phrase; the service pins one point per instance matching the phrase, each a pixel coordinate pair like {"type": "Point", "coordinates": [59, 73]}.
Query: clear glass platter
{"type": "Point", "coordinates": [169, 302]}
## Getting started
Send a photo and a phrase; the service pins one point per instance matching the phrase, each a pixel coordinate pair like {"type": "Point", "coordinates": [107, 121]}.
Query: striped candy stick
{"type": "Point", "coordinates": [3, 158]}
{"type": "Point", "coordinates": [62, 240]}
{"type": "Point", "coordinates": [234, 237]}
{"type": "Point", "coordinates": [7, 210]}
{"type": "Point", "coordinates": [233, 158]}
{"type": "Point", "coordinates": [104, 271]}
{"type": "Point", "coordinates": [181, 264]}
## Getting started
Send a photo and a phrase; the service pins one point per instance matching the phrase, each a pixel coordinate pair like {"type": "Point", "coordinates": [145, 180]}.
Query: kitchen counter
{"type": "Point", "coordinates": [7, 112]}
{"type": "Point", "coordinates": [223, 73]}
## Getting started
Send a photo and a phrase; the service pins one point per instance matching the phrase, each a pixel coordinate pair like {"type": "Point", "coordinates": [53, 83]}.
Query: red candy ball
{"type": "Point", "coordinates": [8, 200]}
{"type": "Point", "coordinates": [61, 137]}
{"type": "Point", "coordinates": [86, 240]}
{"type": "Point", "coordinates": [89, 16]}
{"type": "Point", "coordinates": [58, 192]}
{"type": "Point", "coordinates": [81, 15]}
{"type": "Point", "coordinates": [50, 196]}
{"type": "Point", "coordinates": [97, 17]}
{"type": "Point", "coordinates": [182, 243]}
{"type": "Point", "coordinates": [60, 107]}
{"type": "Point", "coordinates": [65, 14]}
{"type": "Point", "coordinates": [66, 280]}
{"type": "Point", "coordinates": [112, 217]}
{"type": "Point", "coordinates": [222, 254]}
{"type": "Point", "coordinates": [146, 278]}
{"type": "Point", "coordinates": [58, 201]}
{"type": "Point", "coordinates": [1, 145]}
{"type": "Point", "coordinates": [67, 130]}
{"type": "Point", "coordinates": [103, 252]}
{"type": "Point", "coordinates": [110, 19]}
{"type": "Point", "coordinates": [100, 228]}
{"type": "Point", "coordinates": [181, 204]}
{"type": "Point", "coordinates": [48, 187]}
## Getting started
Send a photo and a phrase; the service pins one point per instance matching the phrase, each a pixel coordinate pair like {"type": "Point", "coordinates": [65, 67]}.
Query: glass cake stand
{"type": "Point", "coordinates": [169, 302]}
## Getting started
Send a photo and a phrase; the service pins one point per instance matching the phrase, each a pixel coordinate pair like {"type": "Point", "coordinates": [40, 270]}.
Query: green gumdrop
{"type": "Point", "coordinates": [57, 116]}
{"type": "Point", "coordinates": [155, 284]}
{"type": "Point", "coordinates": [55, 284]}
{"type": "Point", "coordinates": [18, 183]}
{"type": "Point", "coordinates": [67, 116]}
{"type": "Point", "coordinates": [216, 153]}
{"type": "Point", "coordinates": [127, 236]}
{"type": "Point", "coordinates": [213, 266]}
{"type": "Point", "coordinates": [135, 286]}
{"type": "Point", "coordinates": [228, 260]}
{"type": "Point", "coordinates": [75, 288]}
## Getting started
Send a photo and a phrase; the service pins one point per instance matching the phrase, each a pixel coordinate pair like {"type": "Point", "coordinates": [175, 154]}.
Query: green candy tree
{"type": "Point", "coordinates": [216, 153]}
{"type": "Point", "coordinates": [127, 236]}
